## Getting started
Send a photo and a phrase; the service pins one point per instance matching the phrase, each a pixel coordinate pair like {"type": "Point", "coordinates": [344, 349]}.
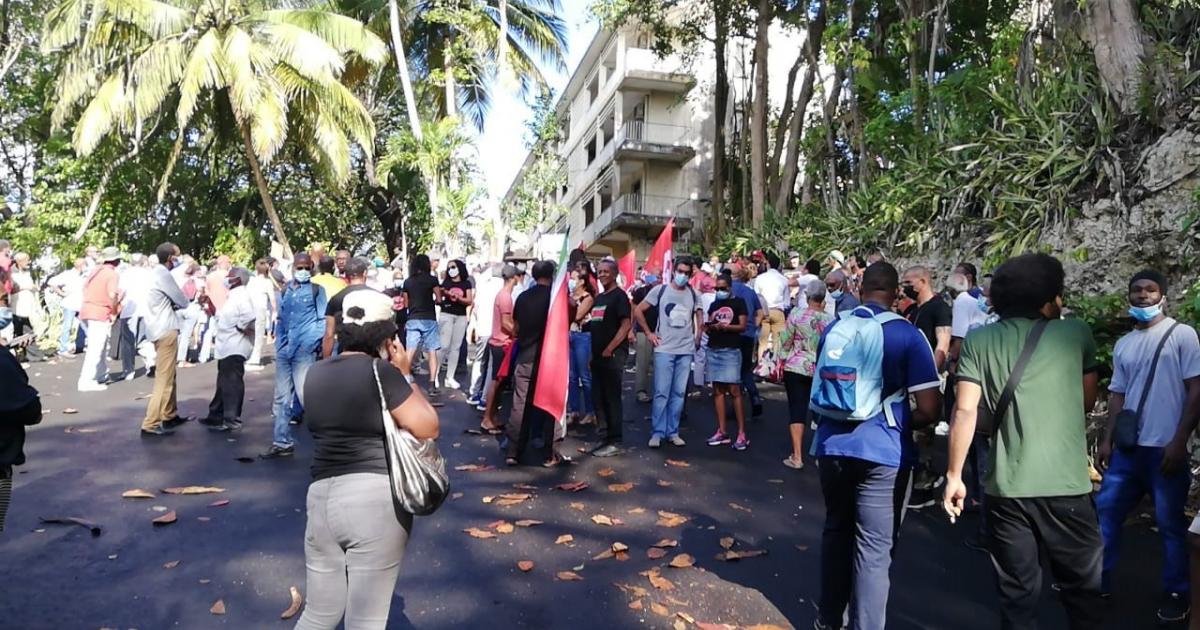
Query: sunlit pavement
{"type": "Point", "coordinates": [249, 552]}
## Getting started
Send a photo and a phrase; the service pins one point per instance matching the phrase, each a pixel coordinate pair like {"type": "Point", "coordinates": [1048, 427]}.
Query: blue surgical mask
{"type": "Point", "coordinates": [1146, 313]}
{"type": "Point", "coordinates": [836, 294]}
{"type": "Point", "coordinates": [681, 279]}
{"type": "Point", "coordinates": [572, 284]}
{"type": "Point", "coordinates": [6, 316]}
{"type": "Point", "coordinates": [982, 302]}
{"type": "Point", "coordinates": [651, 279]}
{"type": "Point", "coordinates": [228, 283]}
{"type": "Point", "coordinates": [722, 295]}
{"type": "Point", "coordinates": [302, 276]}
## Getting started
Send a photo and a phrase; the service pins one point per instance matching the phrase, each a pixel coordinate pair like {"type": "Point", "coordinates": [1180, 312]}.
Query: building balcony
{"type": "Point", "coordinates": [645, 71]}
{"type": "Point", "coordinates": [640, 140]}
{"type": "Point", "coordinates": [642, 215]}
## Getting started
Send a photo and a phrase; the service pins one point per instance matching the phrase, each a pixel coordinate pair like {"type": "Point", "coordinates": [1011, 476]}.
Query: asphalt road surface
{"type": "Point", "coordinates": [249, 552]}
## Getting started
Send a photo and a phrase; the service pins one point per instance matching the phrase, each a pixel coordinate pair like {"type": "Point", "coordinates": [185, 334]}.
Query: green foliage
{"type": "Point", "coordinates": [1107, 317]}
{"type": "Point", "coordinates": [240, 243]}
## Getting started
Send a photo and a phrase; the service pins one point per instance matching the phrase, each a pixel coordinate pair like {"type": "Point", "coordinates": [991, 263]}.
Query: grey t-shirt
{"type": "Point", "coordinates": [676, 318]}
{"type": "Point", "coordinates": [1180, 360]}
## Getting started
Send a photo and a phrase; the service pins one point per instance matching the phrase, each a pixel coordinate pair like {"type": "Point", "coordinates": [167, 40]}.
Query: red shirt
{"type": "Point", "coordinates": [97, 305]}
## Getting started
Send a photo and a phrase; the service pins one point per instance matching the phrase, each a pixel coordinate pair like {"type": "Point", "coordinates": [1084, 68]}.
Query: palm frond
{"type": "Point", "coordinates": [154, 74]}
{"type": "Point", "coordinates": [105, 111]}
{"type": "Point", "coordinates": [156, 19]}
{"type": "Point", "coordinates": [310, 55]}
{"type": "Point", "coordinates": [345, 34]}
{"type": "Point", "coordinates": [245, 90]}
{"type": "Point", "coordinates": [269, 120]}
{"type": "Point", "coordinates": [205, 70]}
{"type": "Point", "coordinates": [63, 25]}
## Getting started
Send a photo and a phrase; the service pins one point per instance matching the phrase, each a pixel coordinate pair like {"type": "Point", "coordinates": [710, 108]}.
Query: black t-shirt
{"type": "Point", "coordinates": [341, 410]}
{"type": "Point", "coordinates": [399, 313]}
{"type": "Point", "coordinates": [640, 294]}
{"type": "Point", "coordinates": [529, 313]}
{"type": "Point", "coordinates": [609, 309]}
{"type": "Point", "coordinates": [420, 296]}
{"type": "Point", "coordinates": [334, 307]}
{"type": "Point", "coordinates": [725, 312]}
{"type": "Point", "coordinates": [930, 316]}
{"type": "Point", "coordinates": [455, 287]}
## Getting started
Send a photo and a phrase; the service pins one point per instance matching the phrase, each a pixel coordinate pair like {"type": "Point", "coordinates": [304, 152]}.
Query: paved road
{"type": "Point", "coordinates": [249, 552]}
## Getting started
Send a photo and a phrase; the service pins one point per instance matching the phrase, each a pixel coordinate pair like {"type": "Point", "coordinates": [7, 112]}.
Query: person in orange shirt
{"type": "Point", "coordinates": [216, 294]}
{"type": "Point", "coordinates": [101, 303]}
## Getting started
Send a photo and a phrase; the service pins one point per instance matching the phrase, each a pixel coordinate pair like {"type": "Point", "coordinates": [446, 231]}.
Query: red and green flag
{"type": "Point", "coordinates": [550, 391]}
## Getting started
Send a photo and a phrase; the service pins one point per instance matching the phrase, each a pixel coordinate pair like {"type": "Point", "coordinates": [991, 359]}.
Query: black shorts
{"type": "Point", "coordinates": [799, 388]}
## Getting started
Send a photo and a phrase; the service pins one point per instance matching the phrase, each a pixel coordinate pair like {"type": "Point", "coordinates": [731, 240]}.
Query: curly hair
{"type": "Point", "coordinates": [1026, 283]}
{"type": "Point", "coordinates": [366, 338]}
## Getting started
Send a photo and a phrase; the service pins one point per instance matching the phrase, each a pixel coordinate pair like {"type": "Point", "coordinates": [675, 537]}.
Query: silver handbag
{"type": "Point", "coordinates": [416, 467]}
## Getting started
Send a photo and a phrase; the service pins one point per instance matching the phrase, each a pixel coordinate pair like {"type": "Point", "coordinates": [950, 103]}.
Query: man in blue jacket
{"type": "Point", "coordinates": [297, 342]}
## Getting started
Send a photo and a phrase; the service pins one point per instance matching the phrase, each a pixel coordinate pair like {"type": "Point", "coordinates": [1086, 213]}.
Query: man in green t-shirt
{"type": "Point", "coordinates": [1038, 488]}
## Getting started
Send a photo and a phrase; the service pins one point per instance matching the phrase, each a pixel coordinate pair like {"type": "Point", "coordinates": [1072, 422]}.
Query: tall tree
{"type": "Point", "coordinates": [271, 70]}
{"type": "Point", "coordinates": [759, 107]}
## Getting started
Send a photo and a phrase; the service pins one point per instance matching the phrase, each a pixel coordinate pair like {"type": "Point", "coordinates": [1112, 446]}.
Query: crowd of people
{"type": "Point", "coordinates": [876, 366]}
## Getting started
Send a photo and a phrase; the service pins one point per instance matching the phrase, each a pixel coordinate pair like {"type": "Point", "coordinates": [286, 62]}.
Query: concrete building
{"type": "Point", "coordinates": [637, 135]}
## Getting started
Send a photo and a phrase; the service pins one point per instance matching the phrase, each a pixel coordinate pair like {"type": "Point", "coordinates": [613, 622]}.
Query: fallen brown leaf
{"type": "Point", "coordinates": [137, 493]}
{"type": "Point", "coordinates": [574, 486]}
{"type": "Point", "coordinates": [607, 472]}
{"type": "Point", "coordinates": [506, 528]}
{"type": "Point", "coordinates": [218, 607]}
{"type": "Point", "coordinates": [654, 553]}
{"type": "Point", "coordinates": [670, 519]}
{"type": "Point", "coordinates": [576, 506]}
{"type": "Point", "coordinates": [682, 561]}
{"type": "Point", "coordinates": [661, 583]}
{"type": "Point", "coordinates": [637, 510]}
{"type": "Point", "coordinates": [741, 507]}
{"type": "Point", "coordinates": [524, 486]}
{"type": "Point", "coordinates": [635, 604]}
{"type": "Point", "coordinates": [665, 484]}
{"type": "Point", "coordinates": [666, 542]}
{"type": "Point", "coordinates": [620, 487]}
{"type": "Point", "coordinates": [525, 565]}
{"type": "Point", "coordinates": [568, 576]}
{"type": "Point", "coordinates": [564, 539]}
{"type": "Point", "coordinates": [166, 519]}
{"type": "Point", "coordinates": [659, 609]}
{"type": "Point", "coordinates": [171, 565]}
{"type": "Point", "coordinates": [507, 500]}
{"type": "Point", "coordinates": [193, 490]}
{"type": "Point", "coordinates": [475, 532]}
{"type": "Point", "coordinates": [727, 543]}
{"type": "Point", "coordinates": [601, 519]}
{"type": "Point", "coordinates": [714, 626]}
{"type": "Point", "coordinates": [619, 546]}
{"type": "Point", "coordinates": [731, 555]}
{"type": "Point", "coordinates": [528, 522]}
{"type": "Point", "coordinates": [604, 555]}
{"type": "Point", "coordinates": [487, 500]}
{"type": "Point", "coordinates": [221, 503]}
{"type": "Point", "coordinates": [622, 556]}
{"type": "Point", "coordinates": [678, 463]}
{"type": "Point", "coordinates": [678, 624]}
{"type": "Point", "coordinates": [474, 467]}
{"type": "Point", "coordinates": [297, 602]}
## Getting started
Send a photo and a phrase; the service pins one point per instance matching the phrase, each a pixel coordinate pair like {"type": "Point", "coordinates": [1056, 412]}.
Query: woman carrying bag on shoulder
{"type": "Point", "coordinates": [356, 533]}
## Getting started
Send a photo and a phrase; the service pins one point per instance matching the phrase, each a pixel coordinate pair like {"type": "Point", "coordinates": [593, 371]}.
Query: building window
{"type": "Point", "coordinates": [589, 211]}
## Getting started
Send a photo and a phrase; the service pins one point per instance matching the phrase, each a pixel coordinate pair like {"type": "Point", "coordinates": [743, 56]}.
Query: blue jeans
{"type": "Point", "coordinates": [579, 391]}
{"type": "Point", "coordinates": [64, 339]}
{"type": "Point", "coordinates": [289, 383]}
{"type": "Point", "coordinates": [671, 372]}
{"type": "Point", "coordinates": [1131, 475]}
{"type": "Point", "coordinates": [864, 504]}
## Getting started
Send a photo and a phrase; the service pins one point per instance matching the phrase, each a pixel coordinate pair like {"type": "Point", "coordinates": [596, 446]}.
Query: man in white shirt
{"type": "Point", "coordinates": [487, 286]}
{"type": "Point", "coordinates": [262, 290]}
{"type": "Point", "coordinates": [774, 289]}
{"type": "Point", "coordinates": [162, 300]}
{"type": "Point", "coordinates": [234, 342]}
{"type": "Point", "coordinates": [68, 285]}
{"type": "Point", "coordinates": [136, 280]}
{"type": "Point", "coordinates": [800, 277]}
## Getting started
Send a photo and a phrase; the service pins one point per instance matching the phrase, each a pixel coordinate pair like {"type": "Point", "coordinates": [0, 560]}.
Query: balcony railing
{"type": "Point", "coordinates": [641, 140]}
{"type": "Point", "coordinates": [656, 133]}
{"type": "Point", "coordinates": [641, 212]}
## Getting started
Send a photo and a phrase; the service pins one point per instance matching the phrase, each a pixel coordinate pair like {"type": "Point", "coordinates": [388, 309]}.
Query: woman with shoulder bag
{"type": "Point", "coordinates": [355, 537]}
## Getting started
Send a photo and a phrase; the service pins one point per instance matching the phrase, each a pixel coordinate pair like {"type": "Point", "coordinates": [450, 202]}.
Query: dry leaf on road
{"type": "Point", "coordinates": [568, 576]}
{"type": "Point", "coordinates": [619, 546]}
{"type": "Point", "coordinates": [524, 486]}
{"type": "Point", "coordinates": [682, 561]}
{"type": "Point", "coordinates": [604, 555]}
{"type": "Point", "coordinates": [670, 519]}
{"type": "Point", "coordinates": [607, 472]}
{"type": "Point", "coordinates": [727, 543]}
{"type": "Point", "coordinates": [732, 555]}
{"type": "Point", "coordinates": [573, 486]}
{"type": "Point", "coordinates": [218, 607]}
{"type": "Point", "coordinates": [137, 493]}
{"type": "Point", "coordinates": [576, 506]}
{"type": "Point", "coordinates": [221, 503]}
{"type": "Point", "coordinates": [193, 490]}
{"type": "Point", "coordinates": [171, 565]}
{"type": "Point", "coordinates": [510, 499]}
{"type": "Point", "coordinates": [528, 522]}
{"type": "Point", "coordinates": [474, 467]}
{"type": "Point", "coordinates": [297, 602]}
{"type": "Point", "coordinates": [564, 539]}
{"type": "Point", "coordinates": [661, 583]}
{"type": "Point", "coordinates": [666, 542]}
{"type": "Point", "coordinates": [665, 484]}
{"type": "Point", "coordinates": [635, 604]}
{"type": "Point", "coordinates": [637, 510]}
{"type": "Point", "coordinates": [620, 487]}
{"type": "Point", "coordinates": [678, 463]}
{"type": "Point", "coordinates": [601, 519]}
{"type": "Point", "coordinates": [654, 553]}
{"type": "Point", "coordinates": [166, 519]}
{"type": "Point", "coordinates": [475, 532]}
{"type": "Point", "coordinates": [741, 507]}
{"type": "Point", "coordinates": [525, 565]}
{"type": "Point", "coordinates": [659, 609]}
{"type": "Point", "coordinates": [504, 528]}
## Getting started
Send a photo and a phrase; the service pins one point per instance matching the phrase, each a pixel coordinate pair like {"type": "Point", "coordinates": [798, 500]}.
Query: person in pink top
{"type": "Point", "coordinates": [101, 303]}
{"type": "Point", "coordinates": [216, 294]}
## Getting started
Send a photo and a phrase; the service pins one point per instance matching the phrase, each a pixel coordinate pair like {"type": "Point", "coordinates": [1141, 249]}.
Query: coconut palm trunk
{"type": "Point", "coordinates": [263, 192]}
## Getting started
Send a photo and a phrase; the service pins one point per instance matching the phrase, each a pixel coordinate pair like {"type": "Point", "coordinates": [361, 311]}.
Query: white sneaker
{"type": "Point", "coordinates": [452, 384]}
{"type": "Point", "coordinates": [942, 429]}
{"type": "Point", "coordinates": [655, 442]}
{"type": "Point", "coordinates": [676, 441]}
{"type": "Point", "coordinates": [92, 387]}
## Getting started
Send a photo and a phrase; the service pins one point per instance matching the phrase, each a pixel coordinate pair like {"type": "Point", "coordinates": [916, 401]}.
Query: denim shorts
{"type": "Point", "coordinates": [422, 334]}
{"type": "Point", "coordinates": [723, 365]}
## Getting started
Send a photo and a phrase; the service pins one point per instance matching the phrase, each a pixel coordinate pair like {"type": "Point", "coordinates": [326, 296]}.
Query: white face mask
{"type": "Point", "coordinates": [452, 272]}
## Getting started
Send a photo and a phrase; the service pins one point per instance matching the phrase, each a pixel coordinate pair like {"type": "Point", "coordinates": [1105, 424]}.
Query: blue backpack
{"type": "Point", "coordinates": [848, 384]}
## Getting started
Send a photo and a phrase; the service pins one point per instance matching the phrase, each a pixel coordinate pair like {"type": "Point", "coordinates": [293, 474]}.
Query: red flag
{"type": "Point", "coordinates": [554, 366]}
{"type": "Point", "coordinates": [626, 265]}
{"type": "Point", "coordinates": [661, 255]}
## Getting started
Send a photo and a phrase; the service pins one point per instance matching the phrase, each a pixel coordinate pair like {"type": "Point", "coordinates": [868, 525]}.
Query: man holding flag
{"type": "Point", "coordinates": [536, 398]}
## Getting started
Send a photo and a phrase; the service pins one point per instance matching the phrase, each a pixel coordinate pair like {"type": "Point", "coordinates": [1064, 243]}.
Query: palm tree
{"type": "Point", "coordinates": [433, 154]}
{"type": "Point", "coordinates": [277, 71]}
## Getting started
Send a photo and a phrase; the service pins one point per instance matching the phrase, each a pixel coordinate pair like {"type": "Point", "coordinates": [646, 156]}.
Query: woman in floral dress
{"type": "Point", "coordinates": [798, 351]}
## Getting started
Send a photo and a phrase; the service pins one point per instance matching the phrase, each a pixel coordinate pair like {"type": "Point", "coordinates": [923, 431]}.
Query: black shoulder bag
{"type": "Point", "coordinates": [1126, 428]}
{"type": "Point", "coordinates": [1014, 379]}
